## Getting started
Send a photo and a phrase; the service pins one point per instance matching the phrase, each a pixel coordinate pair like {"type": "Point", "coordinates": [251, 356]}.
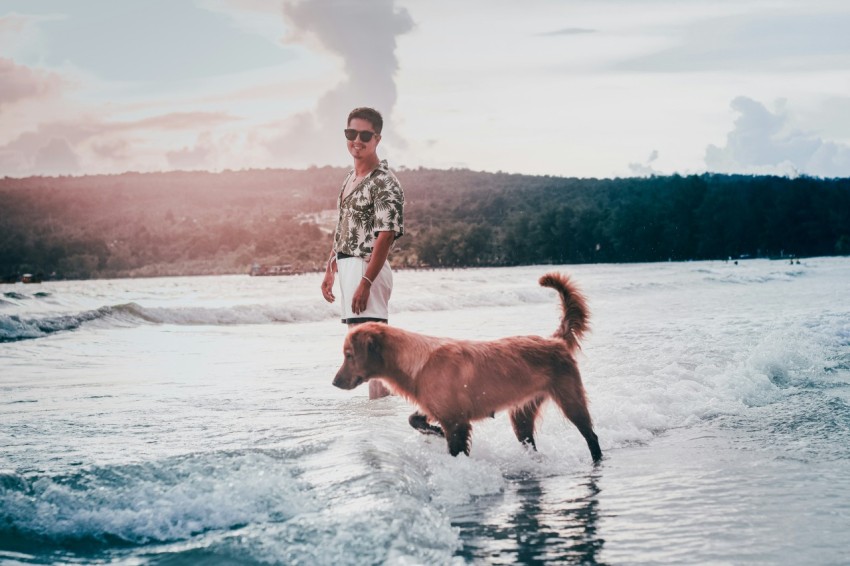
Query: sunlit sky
{"type": "Point", "coordinates": [587, 88]}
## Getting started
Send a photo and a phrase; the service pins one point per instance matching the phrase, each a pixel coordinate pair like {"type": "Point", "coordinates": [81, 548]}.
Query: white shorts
{"type": "Point", "coordinates": [350, 271]}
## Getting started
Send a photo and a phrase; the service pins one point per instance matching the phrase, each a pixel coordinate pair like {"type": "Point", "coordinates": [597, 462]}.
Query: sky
{"type": "Point", "coordinates": [576, 88]}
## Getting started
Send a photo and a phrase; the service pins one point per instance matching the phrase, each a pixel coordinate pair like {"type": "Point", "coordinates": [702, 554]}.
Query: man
{"type": "Point", "coordinates": [371, 207]}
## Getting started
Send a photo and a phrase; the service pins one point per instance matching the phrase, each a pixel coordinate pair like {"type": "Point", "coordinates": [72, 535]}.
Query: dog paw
{"type": "Point", "coordinates": [420, 423]}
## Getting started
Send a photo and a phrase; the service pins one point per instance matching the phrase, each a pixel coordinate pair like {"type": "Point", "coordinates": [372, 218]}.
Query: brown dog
{"type": "Point", "coordinates": [455, 382]}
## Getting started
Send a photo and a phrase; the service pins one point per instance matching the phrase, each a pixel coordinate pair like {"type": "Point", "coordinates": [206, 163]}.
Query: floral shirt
{"type": "Point", "coordinates": [375, 205]}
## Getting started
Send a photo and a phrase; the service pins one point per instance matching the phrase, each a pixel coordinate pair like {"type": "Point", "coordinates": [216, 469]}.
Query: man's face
{"type": "Point", "coordinates": [357, 147]}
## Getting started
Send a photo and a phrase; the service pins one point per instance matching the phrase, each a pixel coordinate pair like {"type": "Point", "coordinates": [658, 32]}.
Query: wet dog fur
{"type": "Point", "coordinates": [456, 382]}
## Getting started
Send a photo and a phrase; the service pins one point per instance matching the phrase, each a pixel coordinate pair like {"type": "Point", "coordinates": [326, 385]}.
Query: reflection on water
{"type": "Point", "coordinates": [536, 521]}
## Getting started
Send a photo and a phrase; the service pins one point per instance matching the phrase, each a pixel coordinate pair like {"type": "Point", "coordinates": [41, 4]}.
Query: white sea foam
{"type": "Point", "coordinates": [157, 501]}
{"type": "Point", "coordinates": [39, 322]}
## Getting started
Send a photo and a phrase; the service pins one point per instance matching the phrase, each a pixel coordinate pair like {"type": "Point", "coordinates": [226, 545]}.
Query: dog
{"type": "Point", "coordinates": [457, 382]}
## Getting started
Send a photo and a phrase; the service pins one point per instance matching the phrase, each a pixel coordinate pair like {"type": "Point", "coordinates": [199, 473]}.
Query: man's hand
{"type": "Point", "coordinates": [328, 286]}
{"type": "Point", "coordinates": [361, 297]}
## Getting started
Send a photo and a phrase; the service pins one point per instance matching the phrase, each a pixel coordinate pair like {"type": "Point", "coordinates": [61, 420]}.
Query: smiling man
{"type": "Point", "coordinates": [371, 209]}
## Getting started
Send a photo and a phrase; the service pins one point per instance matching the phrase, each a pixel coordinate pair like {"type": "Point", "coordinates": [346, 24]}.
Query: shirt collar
{"type": "Point", "coordinates": [383, 167]}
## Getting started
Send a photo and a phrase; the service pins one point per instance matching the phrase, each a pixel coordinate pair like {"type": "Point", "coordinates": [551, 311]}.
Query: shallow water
{"type": "Point", "coordinates": [180, 420]}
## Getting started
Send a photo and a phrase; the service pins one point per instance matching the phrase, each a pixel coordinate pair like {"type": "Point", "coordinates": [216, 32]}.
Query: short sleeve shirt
{"type": "Point", "coordinates": [375, 205]}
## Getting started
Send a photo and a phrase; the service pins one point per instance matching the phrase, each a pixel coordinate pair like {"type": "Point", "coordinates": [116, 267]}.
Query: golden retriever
{"type": "Point", "coordinates": [456, 382]}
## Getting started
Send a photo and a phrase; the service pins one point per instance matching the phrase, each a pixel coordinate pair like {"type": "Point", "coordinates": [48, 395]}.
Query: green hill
{"type": "Point", "coordinates": [184, 223]}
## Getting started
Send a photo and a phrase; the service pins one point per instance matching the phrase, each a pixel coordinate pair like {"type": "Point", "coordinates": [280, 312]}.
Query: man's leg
{"type": "Point", "coordinates": [377, 389]}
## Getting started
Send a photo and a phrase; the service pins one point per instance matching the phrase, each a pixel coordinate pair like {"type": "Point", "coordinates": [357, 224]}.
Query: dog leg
{"type": "Point", "coordinates": [522, 419]}
{"type": "Point", "coordinates": [420, 422]}
{"type": "Point", "coordinates": [574, 407]}
{"type": "Point", "coordinates": [457, 437]}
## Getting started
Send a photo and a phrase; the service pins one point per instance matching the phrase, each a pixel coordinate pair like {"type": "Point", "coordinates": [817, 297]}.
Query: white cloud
{"type": "Point", "coordinates": [762, 142]}
{"type": "Point", "coordinates": [56, 157]}
{"type": "Point", "coordinates": [785, 40]}
{"type": "Point", "coordinates": [568, 31]}
{"type": "Point", "coordinates": [645, 169]}
{"type": "Point", "coordinates": [196, 157]}
{"type": "Point", "coordinates": [96, 143]}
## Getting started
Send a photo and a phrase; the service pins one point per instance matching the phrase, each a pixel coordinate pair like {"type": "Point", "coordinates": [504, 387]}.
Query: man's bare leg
{"type": "Point", "coordinates": [377, 389]}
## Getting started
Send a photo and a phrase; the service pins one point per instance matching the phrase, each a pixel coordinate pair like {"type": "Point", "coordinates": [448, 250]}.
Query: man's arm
{"type": "Point", "coordinates": [328, 281]}
{"type": "Point", "coordinates": [379, 255]}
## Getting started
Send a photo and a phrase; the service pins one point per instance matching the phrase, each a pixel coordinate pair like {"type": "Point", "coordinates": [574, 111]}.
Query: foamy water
{"type": "Point", "coordinates": [186, 420]}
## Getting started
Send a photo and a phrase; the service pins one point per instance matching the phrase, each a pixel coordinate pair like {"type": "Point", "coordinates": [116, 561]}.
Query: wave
{"type": "Point", "coordinates": [159, 501]}
{"type": "Point", "coordinates": [751, 278]}
{"type": "Point", "coordinates": [20, 327]}
{"type": "Point", "coordinates": [246, 506]}
{"type": "Point", "coordinates": [13, 298]}
{"type": "Point", "coordinates": [15, 327]}
{"type": "Point", "coordinates": [14, 295]}
{"type": "Point", "coordinates": [21, 296]}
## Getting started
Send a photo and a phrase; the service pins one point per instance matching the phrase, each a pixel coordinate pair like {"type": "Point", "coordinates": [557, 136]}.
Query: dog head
{"type": "Point", "coordinates": [362, 351]}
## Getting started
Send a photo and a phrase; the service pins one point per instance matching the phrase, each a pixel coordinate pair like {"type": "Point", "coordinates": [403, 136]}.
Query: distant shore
{"type": "Point", "coordinates": [181, 223]}
{"type": "Point", "coordinates": [149, 274]}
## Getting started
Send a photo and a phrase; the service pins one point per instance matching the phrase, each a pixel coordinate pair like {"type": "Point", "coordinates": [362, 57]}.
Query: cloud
{"type": "Point", "coordinates": [50, 149]}
{"type": "Point", "coordinates": [192, 158]}
{"type": "Point", "coordinates": [115, 150]}
{"type": "Point", "coordinates": [21, 83]}
{"type": "Point", "coordinates": [363, 35]}
{"type": "Point", "coordinates": [159, 42]}
{"type": "Point", "coordinates": [568, 31]}
{"type": "Point", "coordinates": [62, 147]}
{"type": "Point", "coordinates": [761, 142]}
{"type": "Point", "coordinates": [645, 169]}
{"type": "Point", "coordinates": [178, 121]}
{"type": "Point", "coordinates": [21, 35]}
{"type": "Point", "coordinates": [781, 41]}
{"type": "Point", "coordinates": [56, 157]}
{"type": "Point", "coordinates": [829, 117]}
{"type": "Point", "coordinates": [257, 17]}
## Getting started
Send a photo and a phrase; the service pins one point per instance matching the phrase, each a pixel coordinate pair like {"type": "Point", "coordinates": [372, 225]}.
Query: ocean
{"type": "Point", "coordinates": [193, 421]}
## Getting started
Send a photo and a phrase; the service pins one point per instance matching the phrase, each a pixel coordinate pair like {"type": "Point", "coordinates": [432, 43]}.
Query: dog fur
{"type": "Point", "coordinates": [457, 382]}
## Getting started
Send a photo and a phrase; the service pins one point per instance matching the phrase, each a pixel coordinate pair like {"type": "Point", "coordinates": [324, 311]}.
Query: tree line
{"type": "Point", "coordinates": [182, 223]}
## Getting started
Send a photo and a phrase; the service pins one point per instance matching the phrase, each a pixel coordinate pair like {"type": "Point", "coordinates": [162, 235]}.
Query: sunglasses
{"type": "Point", "coordinates": [365, 135]}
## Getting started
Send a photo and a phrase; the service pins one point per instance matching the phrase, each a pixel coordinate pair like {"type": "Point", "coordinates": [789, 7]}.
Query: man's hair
{"type": "Point", "coordinates": [370, 115]}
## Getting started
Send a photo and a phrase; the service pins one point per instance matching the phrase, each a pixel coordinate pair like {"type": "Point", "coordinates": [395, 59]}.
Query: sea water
{"type": "Point", "coordinates": [193, 420]}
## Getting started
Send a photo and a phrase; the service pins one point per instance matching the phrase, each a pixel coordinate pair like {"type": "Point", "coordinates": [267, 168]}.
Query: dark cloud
{"type": "Point", "coordinates": [762, 143]}
{"type": "Point", "coordinates": [363, 35]}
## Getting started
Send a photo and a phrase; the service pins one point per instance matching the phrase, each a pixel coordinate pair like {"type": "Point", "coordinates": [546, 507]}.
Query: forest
{"type": "Point", "coordinates": [194, 223]}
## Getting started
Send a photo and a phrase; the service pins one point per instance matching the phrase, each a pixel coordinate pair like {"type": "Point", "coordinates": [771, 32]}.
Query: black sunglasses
{"type": "Point", "coordinates": [365, 135]}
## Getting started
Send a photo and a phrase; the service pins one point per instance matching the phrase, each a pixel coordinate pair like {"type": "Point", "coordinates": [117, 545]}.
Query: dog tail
{"type": "Point", "coordinates": [574, 321]}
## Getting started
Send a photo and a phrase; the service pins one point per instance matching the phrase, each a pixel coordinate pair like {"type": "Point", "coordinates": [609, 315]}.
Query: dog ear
{"type": "Point", "coordinates": [371, 347]}
{"type": "Point", "coordinates": [368, 345]}
{"type": "Point", "coordinates": [374, 346]}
